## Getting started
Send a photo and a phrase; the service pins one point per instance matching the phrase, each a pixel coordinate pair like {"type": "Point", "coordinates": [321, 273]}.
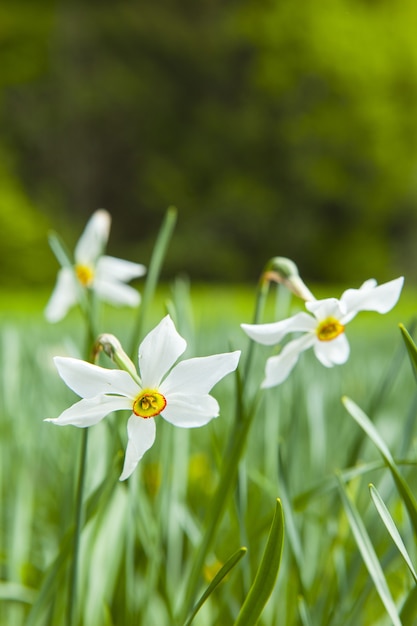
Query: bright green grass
{"type": "Point", "coordinates": [140, 538]}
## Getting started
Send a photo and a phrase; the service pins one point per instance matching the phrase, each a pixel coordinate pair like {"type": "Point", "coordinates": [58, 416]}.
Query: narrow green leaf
{"type": "Point", "coordinates": [60, 250]}
{"type": "Point", "coordinates": [15, 592]}
{"type": "Point", "coordinates": [291, 529]}
{"type": "Point", "coordinates": [53, 577]}
{"type": "Point", "coordinates": [368, 554]}
{"type": "Point", "coordinates": [365, 423]}
{"type": "Point", "coordinates": [223, 571]}
{"type": "Point", "coordinates": [409, 609]}
{"type": "Point", "coordinates": [154, 269]}
{"type": "Point", "coordinates": [391, 527]}
{"type": "Point", "coordinates": [304, 612]}
{"type": "Point", "coordinates": [267, 572]}
{"type": "Point", "coordinates": [218, 503]}
{"type": "Point", "coordinates": [63, 257]}
{"type": "Point", "coordinates": [411, 347]}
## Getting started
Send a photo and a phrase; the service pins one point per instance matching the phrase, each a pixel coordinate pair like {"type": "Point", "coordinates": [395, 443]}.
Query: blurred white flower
{"type": "Point", "coordinates": [105, 275]}
{"type": "Point", "coordinates": [323, 327]}
{"type": "Point", "coordinates": [180, 394]}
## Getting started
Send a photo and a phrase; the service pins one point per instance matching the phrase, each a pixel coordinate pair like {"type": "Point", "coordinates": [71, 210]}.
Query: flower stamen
{"type": "Point", "coordinates": [329, 329]}
{"type": "Point", "coordinates": [85, 274]}
{"type": "Point", "coordinates": [149, 403]}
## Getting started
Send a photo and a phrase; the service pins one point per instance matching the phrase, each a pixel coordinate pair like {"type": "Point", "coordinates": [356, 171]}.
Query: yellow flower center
{"type": "Point", "coordinates": [149, 403]}
{"type": "Point", "coordinates": [85, 274]}
{"type": "Point", "coordinates": [329, 329]}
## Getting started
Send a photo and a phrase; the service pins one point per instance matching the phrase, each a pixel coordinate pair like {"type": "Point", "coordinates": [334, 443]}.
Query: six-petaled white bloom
{"type": "Point", "coordinates": [105, 275]}
{"type": "Point", "coordinates": [180, 394]}
{"type": "Point", "coordinates": [323, 327]}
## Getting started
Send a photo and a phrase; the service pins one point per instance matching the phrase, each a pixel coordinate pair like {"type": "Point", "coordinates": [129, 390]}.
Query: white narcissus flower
{"type": "Point", "coordinates": [178, 393]}
{"type": "Point", "coordinates": [105, 275]}
{"type": "Point", "coordinates": [323, 327]}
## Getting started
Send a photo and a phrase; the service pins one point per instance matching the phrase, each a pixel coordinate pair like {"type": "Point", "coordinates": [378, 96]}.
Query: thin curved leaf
{"type": "Point", "coordinates": [391, 527]}
{"type": "Point", "coordinates": [267, 572]}
{"type": "Point", "coordinates": [411, 347]}
{"type": "Point", "coordinates": [223, 571]}
{"type": "Point", "coordinates": [409, 609]}
{"type": "Point", "coordinates": [368, 554]}
{"type": "Point", "coordinates": [365, 423]}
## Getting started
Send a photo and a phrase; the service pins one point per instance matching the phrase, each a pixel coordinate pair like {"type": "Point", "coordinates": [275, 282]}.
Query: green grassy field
{"type": "Point", "coordinates": [340, 563]}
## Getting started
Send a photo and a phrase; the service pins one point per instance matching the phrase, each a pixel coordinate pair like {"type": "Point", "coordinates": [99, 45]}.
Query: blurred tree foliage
{"type": "Point", "coordinates": [275, 127]}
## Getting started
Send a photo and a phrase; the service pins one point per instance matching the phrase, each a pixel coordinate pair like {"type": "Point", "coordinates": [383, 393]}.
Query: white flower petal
{"type": "Point", "coordinates": [88, 380]}
{"type": "Point", "coordinates": [64, 296]}
{"type": "Point", "coordinates": [370, 298]}
{"type": "Point", "coordinates": [159, 351]}
{"type": "Point", "coordinates": [115, 292]}
{"type": "Point", "coordinates": [90, 411]}
{"type": "Point", "coordinates": [200, 374]}
{"type": "Point", "coordinates": [119, 269]}
{"type": "Point", "coordinates": [141, 435]}
{"type": "Point", "coordinates": [270, 334]}
{"type": "Point", "coordinates": [190, 410]}
{"type": "Point", "coordinates": [328, 307]}
{"type": "Point", "coordinates": [94, 238]}
{"type": "Point", "coordinates": [369, 284]}
{"type": "Point", "coordinates": [279, 367]}
{"type": "Point", "coordinates": [332, 352]}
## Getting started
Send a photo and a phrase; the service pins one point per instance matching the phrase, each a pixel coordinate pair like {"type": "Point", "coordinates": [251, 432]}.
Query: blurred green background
{"type": "Point", "coordinates": [275, 127]}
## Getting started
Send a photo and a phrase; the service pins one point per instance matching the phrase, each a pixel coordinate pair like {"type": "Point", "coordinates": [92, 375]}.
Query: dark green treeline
{"type": "Point", "coordinates": [276, 128]}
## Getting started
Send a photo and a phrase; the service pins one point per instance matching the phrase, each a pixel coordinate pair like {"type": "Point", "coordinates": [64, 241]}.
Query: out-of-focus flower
{"type": "Point", "coordinates": [105, 275]}
{"type": "Point", "coordinates": [179, 393]}
{"type": "Point", "coordinates": [323, 327]}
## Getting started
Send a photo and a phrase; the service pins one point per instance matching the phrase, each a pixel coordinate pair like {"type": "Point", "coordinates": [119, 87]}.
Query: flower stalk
{"type": "Point", "coordinates": [79, 521]}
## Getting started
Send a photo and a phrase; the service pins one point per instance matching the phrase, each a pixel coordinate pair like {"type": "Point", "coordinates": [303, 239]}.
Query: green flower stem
{"type": "Point", "coordinates": [79, 514]}
{"type": "Point", "coordinates": [217, 507]}
{"type": "Point", "coordinates": [79, 495]}
{"type": "Point", "coordinates": [233, 454]}
{"type": "Point", "coordinates": [261, 296]}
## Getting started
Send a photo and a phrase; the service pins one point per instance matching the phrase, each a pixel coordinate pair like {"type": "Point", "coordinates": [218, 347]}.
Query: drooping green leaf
{"type": "Point", "coordinates": [391, 527]}
{"type": "Point", "coordinates": [365, 423]}
{"type": "Point", "coordinates": [267, 572]}
{"type": "Point", "coordinates": [368, 554]}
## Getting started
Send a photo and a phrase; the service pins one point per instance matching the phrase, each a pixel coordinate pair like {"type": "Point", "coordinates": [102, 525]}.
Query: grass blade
{"type": "Point", "coordinates": [154, 270]}
{"type": "Point", "coordinates": [391, 527]}
{"type": "Point", "coordinates": [267, 572]}
{"type": "Point", "coordinates": [365, 423]}
{"type": "Point", "coordinates": [368, 554]}
{"type": "Point", "coordinates": [223, 571]}
{"type": "Point", "coordinates": [411, 347]}
{"type": "Point", "coordinates": [409, 608]}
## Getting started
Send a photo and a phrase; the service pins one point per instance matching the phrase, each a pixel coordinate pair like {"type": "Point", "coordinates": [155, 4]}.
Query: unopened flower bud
{"type": "Point", "coordinates": [285, 272]}
{"type": "Point", "coordinates": [113, 348]}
